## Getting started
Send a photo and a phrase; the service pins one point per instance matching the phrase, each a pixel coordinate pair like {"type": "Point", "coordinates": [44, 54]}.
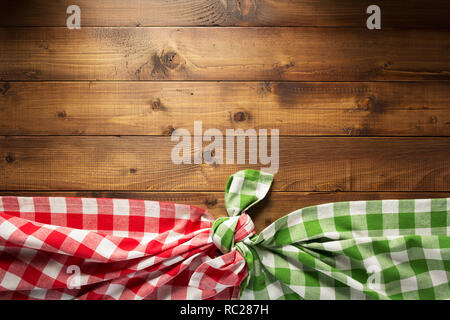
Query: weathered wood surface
{"type": "Point", "coordinates": [308, 68]}
{"type": "Point", "coordinates": [294, 54]}
{"type": "Point", "coordinates": [156, 108]}
{"type": "Point", "coordinates": [274, 206]}
{"type": "Point", "coordinates": [395, 13]}
{"type": "Point", "coordinates": [138, 163]}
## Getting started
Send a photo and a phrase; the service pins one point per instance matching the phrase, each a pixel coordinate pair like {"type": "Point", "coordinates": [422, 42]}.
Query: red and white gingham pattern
{"type": "Point", "coordinates": [124, 249]}
{"type": "Point", "coordinates": [245, 227]}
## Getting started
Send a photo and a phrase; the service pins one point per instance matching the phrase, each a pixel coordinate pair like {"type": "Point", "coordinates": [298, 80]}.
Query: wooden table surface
{"type": "Point", "coordinates": [363, 114]}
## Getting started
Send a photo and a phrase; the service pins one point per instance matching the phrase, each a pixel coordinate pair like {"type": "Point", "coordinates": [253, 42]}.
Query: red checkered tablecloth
{"type": "Point", "coordinates": [65, 248]}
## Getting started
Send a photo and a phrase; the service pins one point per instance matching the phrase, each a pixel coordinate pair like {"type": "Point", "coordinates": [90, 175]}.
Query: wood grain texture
{"type": "Point", "coordinates": [314, 70]}
{"type": "Point", "coordinates": [156, 108]}
{"type": "Point", "coordinates": [295, 54]}
{"type": "Point", "coordinates": [144, 163]}
{"type": "Point", "coordinates": [273, 207]}
{"type": "Point", "coordinates": [395, 13]}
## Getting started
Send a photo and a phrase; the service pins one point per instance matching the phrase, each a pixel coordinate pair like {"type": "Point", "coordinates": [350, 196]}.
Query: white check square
{"type": "Point", "coordinates": [389, 206]}
{"type": "Point", "coordinates": [10, 281]}
{"type": "Point", "coordinates": [399, 257]}
{"type": "Point", "coordinates": [89, 206]}
{"type": "Point", "coordinates": [422, 205]}
{"type": "Point", "coordinates": [57, 205]}
{"type": "Point", "coordinates": [325, 211]}
{"type": "Point", "coordinates": [121, 207]}
{"type": "Point", "coordinates": [152, 209]}
{"type": "Point", "coordinates": [26, 204]}
{"type": "Point", "coordinates": [236, 185]}
{"type": "Point", "coordinates": [106, 248]}
{"type": "Point", "coordinates": [409, 284]}
{"type": "Point", "coordinates": [357, 207]}
{"type": "Point", "coordinates": [438, 277]}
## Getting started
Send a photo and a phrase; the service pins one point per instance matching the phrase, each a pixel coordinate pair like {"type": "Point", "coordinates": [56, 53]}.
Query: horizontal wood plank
{"type": "Point", "coordinates": [395, 13]}
{"type": "Point", "coordinates": [294, 54]}
{"type": "Point", "coordinates": [144, 163]}
{"type": "Point", "coordinates": [156, 108]}
{"type": "Point", "coordinates": [273, 207]}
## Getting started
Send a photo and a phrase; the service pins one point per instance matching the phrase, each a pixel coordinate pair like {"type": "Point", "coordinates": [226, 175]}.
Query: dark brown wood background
{"type": "Point", "coordinates": [362, 114]}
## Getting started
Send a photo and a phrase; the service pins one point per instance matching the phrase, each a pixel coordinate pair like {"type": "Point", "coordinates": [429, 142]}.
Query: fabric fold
{"type": "Point", "coordinates": [384, 249]}
{"type": "Point", "coordinates": [81, 248]}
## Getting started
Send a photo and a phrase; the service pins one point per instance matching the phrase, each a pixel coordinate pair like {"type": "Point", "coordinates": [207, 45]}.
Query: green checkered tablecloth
{"type": "Point", "coordinates": [384, 249]}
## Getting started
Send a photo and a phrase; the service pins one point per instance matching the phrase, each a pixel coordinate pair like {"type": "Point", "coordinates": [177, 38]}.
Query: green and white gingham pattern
{"type": "Point", "coordinates": [244, 189]}
{"type": "Point", "coordinates": [223, 233]}
{"type": "Point", "coordinates": [384, 249]}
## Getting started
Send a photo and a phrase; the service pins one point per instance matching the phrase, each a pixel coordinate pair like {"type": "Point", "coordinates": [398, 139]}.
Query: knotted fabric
{"type": "Point", "coordinates": [244, 189]}
{"type": "Point", "coordinates": [82, 248]}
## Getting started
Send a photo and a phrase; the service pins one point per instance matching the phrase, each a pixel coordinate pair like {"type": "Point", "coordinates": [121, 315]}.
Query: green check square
{"type": "Point", "coordinates": [375, 221]}
{"type": "Point", "coordinates": [413, 242]}
{"type": "Point", "coordinates": [397, 296]}
{"type": "Point", "coordinates": [390, 221]}
{"type": "Point", "coordinates": [374, 206]}
{"type": "Point", "coordinates": [391, 274]}
{"type": "Point", "coordinates": [427, 294]}
{"type": "Point", "coordinates": [252, 175]}
{"type": "Point", "coordinates": [444, 242]}
{"type": "Point", "coordinates": [422, 219]}
{"type": "Point", "coordinates": [353, 252]}
{"type": "Point", "coordinates": [227, 238]}
{"type": "Point", "coordinates": [343, 223]}
{"type": "Point", "coordinates": [438, 204]}
{"type": "Point", "coordinates": [312, 279]}
{"type": "Point", "coordinates": [406, 220]}
{"type": "Point", "coordinates": [283, 236]}
{"type": "Point", "coordinates": [406, 214]}
{"type": "Point", "coordinates": [439, 219]}
{"type": "Point", "coordinates": [291, 296]}
{"type": "Point", "coordinates": [309, 213]}
{"type": "Point", "coordinates": [246, 200]}
{"type": "Point", "coordinates": [341, 209]}
{"type": "Point", "coordinates": [248, 188]}
{"type": "Point", "coordinates": [297, 232]}
{"type": "Point", "coordinates": [259, 282]}
{"type": "Point", "coordinates": [360, 275]}
{"type": "Point", "coordinates": [447, 266]}
{"type": "Point", "coordinates": [419, 266]}
{"type": "Point", "coordinates": [313, 228]}
{"type": "Point", "coordinates": [283, 274]}
{"type": "Point", "coordinates": [233, 201]}
{"type": "Point", "coordinates": [381, 247]}
{"type": "Point", "coordinates": [358, 222]}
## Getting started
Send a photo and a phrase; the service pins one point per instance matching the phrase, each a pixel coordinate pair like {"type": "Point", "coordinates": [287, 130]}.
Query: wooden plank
{"type": "Point", "coordinates": [395, 13]}
{"type": "Point", "coordinates": [155, 108]}
{"type": "Point", "coordinates": [294, 54]}
{"type": "Point", "coordinates": [273, 207]}
{"type": "Point", "coordinates": [144, 163]}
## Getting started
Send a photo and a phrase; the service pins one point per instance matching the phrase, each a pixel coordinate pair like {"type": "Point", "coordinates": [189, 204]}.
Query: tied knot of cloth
{"type": "Point", "coordinates": [227, 231]}
{"type": "Point", "coordinates": [243, 190]}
